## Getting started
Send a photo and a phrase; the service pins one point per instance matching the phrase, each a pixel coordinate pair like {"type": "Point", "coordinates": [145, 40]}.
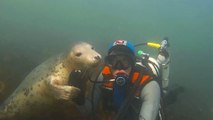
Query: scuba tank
{"type": "Point", "coordinates": [163, 60]}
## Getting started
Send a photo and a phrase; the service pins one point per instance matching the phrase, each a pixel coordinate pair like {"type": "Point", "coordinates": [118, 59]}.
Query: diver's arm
{"type": "Point", "coordinates": [150, 95]}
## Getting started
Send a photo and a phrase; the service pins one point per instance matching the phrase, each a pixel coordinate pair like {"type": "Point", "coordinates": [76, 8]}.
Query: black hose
{"type": "Point", "coordinates": [139, 44]}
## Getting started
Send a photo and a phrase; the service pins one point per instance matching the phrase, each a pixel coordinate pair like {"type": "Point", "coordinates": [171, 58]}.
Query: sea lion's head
{"type": "Point", "coordinates": [83, 55]}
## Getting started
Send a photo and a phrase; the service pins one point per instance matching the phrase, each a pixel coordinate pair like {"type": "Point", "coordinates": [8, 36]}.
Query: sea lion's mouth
{"type": "Point", "coordinates": [97, 63]}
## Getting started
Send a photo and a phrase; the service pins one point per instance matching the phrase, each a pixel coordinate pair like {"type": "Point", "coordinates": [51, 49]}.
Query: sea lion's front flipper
{"type": "Point", "coordinates": [64, 92]}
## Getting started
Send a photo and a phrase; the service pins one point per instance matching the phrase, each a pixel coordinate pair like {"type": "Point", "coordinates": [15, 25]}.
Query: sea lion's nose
{"type": "Point", "coordinates": [97, 57]}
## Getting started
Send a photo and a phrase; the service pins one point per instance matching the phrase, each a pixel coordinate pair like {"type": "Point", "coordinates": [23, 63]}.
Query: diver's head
{"type": "Point", "coordinates": [121, 55]}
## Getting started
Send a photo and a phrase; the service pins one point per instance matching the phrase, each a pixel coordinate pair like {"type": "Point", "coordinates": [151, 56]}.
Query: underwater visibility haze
{"type": "Point", "coordinates": [33, 30]}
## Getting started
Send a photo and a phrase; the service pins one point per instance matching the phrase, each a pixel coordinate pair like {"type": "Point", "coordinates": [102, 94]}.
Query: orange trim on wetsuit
{"type": "Point", "coordinates": [106, 71]}
{"type": "Point", "coordinates": [143, 80]}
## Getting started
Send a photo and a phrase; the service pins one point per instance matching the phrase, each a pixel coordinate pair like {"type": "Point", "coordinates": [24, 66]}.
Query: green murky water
{"type": "Point", "coordinates": [32, 31]}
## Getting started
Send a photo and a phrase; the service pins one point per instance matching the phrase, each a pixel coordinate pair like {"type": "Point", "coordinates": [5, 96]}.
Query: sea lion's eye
{"type": "Point", "coordinates": [78, 54]}
{"type": "Point", "coordinates": [93, 48]}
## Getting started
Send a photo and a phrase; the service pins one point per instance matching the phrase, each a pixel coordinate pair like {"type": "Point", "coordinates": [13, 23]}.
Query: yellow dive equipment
{"type": "Point", "coordinates": [155, 45]}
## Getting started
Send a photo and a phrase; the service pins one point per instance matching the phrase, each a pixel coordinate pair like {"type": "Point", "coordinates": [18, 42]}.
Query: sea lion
{"type": "Point", "coordinates": [46, 86]}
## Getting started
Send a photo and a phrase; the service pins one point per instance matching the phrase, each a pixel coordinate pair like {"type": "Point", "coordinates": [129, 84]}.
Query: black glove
{"type": "Point", "coordinates": [77, 79]}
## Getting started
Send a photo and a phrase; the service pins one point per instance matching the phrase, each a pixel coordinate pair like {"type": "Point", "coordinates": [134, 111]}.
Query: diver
{"type": "Point", "coordinates": [132, 85]}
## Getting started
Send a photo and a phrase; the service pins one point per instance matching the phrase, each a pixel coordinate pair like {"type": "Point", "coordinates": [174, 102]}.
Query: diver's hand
{"type": "Point", "coordinates": [163, 47]}
{"type": "Point", "coordinates": [164, 44]}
